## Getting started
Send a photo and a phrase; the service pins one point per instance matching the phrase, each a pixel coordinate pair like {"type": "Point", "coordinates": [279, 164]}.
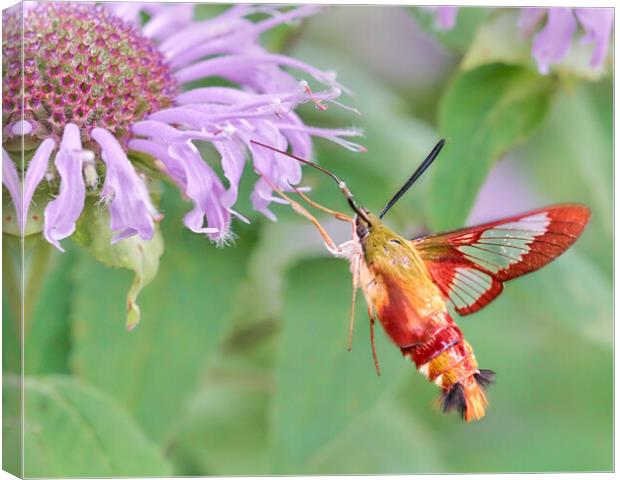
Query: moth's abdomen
{"type": "Point", "coordinates": [448, 360]}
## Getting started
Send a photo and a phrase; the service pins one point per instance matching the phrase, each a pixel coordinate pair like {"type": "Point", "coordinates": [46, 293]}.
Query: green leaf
{"type": "Point", "coordinates": [72, 430]}
{"type": "Point", "coordinates": [154, 369]}
{"type": "Point", "coordinates": [321, 388]}
{"type": "Point", "coordinates": [590, 308]}
{"type": "Point", "coordinates": [386, 441]}
{"type": "Point", "coordinates": [48, 336]}
{"type": "Point", "coordinates": [224, 431]}
{"type": "Point", "coordinates": [484, 113]}
{"type": "Point", "coordinates": [135, 254]}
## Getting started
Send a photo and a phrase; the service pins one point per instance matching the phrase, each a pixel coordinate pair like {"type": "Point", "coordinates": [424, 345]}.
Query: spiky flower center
{"type": "Point", "coordinates": [82, 65]}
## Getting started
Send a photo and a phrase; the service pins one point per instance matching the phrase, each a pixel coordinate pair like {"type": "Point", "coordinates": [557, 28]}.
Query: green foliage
{"type": "Point", "coordinates": [305, 418]}
{"type": "Point", "coordinates": [485, 112]}
{"type": "Point", "coordinates": [71, 430]}
{"type": "Point", "coordinates": [135, 254]}
{"type": "Point", "coordinates": [153, 369]}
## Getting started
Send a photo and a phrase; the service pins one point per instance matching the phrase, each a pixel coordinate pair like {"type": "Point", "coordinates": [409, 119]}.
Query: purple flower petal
{"type": "Point", "coordinates": [10, 179]}
{"type": "Point", "coordinates": [529, 20]}
{"type": "Point", "coordinates": [206, 190]}
{"type": "Point", "coordinates": [21, 127]}
{"type": "Point", "coordinates": [551, 44]}
{"type": "Point", "coordinates": [233, 161]}
{"type": "Point", "coordinates": [34, 174]}
{"type": "Point", "coordinates": [166, 22]}
{"type": "Point", "coordinates": [131, 210]}
{"type": "Point", "coordinates": [598, 24]}
{"type": "Point", "coordinates": [62, 212]}
{"type": "Point", "coordinates": [240, 37]}
{"type": "Point", "coordinates": [446, 17]}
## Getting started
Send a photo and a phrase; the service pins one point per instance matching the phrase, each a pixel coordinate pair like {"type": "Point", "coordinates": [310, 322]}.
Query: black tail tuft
{"type": "Point", "coordinates": [484, 378]}
{"type": "Point", "coordinates": [455, 398]}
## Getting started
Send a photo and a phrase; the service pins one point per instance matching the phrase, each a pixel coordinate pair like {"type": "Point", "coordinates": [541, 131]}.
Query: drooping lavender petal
{"type": "Point", "coordinates": [34, 174]}
{"type": "Point", "coordinates": [131, 210]}
{"type": "Point", "coordinates": [446, 17]}
{"type": "Point", "coordinates": [529, 20]}
{"type": "Point", "coordinates": [233, 161]}
{"type": "Point", "coordinates": [598, 24]}
{"type": "Point", "coordinates": [62, 213]}
{"type": "Point", "coordinates": [10, 179]}
{"type": "Point", "coordinates": [551, 44]}
{"type": "Point", "coordinates": [206, 190]}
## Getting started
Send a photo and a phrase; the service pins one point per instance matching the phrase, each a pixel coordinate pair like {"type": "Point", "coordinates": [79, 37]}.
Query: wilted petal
{"type": "Point", "coordinates": [10, 179]}
{"type": "Point", "coordinates": [597, 23]}
{"type": "Point", "coordinates": [552, 43]}
{"type": "Point", "coordinates": [62, 212]}
{"type": "Point", "coordinates": [131, 210]}
{"type": "Point", "coordinates": [34, 174]}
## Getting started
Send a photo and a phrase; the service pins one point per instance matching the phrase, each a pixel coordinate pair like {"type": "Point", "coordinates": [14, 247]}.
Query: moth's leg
{"type": "Point", "coordinates": [298, 208]}
{"type": "Point", "coordinates": [334, 213]}
{"type": "Point", "coordinates": [372, 341]}
{"type": "Point", "coordinates": [352, 314]}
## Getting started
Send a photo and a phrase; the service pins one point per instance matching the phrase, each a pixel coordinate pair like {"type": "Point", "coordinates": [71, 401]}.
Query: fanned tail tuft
{"type": "Point", "coordinates": [468, 397]}
{"type": "Point", "coordinates": [485, 378]}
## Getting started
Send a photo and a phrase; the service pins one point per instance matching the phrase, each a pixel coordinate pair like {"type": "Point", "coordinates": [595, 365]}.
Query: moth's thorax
{"type": "Point", "coordinates": [382, 246]}
{"type": "Point", "coordinates": [398, 285]}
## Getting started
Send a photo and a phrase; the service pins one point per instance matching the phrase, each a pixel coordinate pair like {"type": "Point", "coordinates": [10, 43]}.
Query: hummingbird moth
{"type": "Point", "coordinates": [409, 283]}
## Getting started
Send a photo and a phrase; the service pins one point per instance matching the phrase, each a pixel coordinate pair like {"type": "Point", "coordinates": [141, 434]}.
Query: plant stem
{"type": "Point", "coordinates": [37, 267]}
{"type": "Point", "coordinates": [12, 279]}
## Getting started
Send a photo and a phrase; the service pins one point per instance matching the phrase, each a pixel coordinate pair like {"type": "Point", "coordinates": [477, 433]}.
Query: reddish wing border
{"type": "Point", "coordinates": [469, 265]}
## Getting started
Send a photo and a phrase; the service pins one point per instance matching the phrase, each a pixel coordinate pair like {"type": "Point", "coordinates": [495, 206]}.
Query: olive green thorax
{"type": "Point", "coordinates": [386, 249]}
{"type": "Point", "coordinates": [381, 241]}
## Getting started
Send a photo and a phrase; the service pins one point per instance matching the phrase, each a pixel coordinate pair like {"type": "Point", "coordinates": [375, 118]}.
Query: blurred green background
{"type": "Point", "coordinates": [240, 366]}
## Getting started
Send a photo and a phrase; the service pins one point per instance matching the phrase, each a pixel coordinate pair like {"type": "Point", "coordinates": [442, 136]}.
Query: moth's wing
{"type": "Point", "coordinates": [470, 265]}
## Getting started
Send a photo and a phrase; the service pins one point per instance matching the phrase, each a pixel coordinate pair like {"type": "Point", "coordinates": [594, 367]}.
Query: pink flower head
{"type": "Point", "coordinates": [101, 84]}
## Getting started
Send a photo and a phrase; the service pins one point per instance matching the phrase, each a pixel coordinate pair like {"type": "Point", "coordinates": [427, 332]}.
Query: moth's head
{"type": "Point", "coordinates": [365, 224]}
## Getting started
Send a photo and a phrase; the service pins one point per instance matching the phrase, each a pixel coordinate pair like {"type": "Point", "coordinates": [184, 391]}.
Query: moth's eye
{"type": "Point", "coordinates": [361, 230]}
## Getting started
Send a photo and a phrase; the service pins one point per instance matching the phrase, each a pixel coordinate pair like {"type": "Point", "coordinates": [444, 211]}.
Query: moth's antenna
{"type": "Point", "coordinates": [343, 186]}
{"type": "Point", "coordinates": [417, 174]}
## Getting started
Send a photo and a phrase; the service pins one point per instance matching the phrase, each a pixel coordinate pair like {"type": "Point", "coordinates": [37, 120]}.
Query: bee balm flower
{"type": "Point", "coordinates": [552, 43]}
{"type": "Point", "coordinates": [99, 87]}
